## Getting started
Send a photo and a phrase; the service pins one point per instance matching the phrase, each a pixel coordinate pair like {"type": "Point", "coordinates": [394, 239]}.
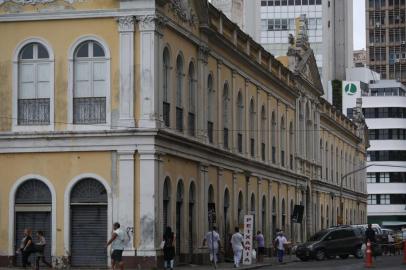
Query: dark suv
{"type": "Point", "coordinates": [332, 242]}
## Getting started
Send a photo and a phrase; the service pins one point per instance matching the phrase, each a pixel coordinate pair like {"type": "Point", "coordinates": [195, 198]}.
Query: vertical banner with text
{"type": "Point", "coordinates": [248, 234]}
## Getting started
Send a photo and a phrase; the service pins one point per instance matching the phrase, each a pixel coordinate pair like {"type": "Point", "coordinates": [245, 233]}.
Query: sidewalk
{"type": "Point", "coordinates": [268, 261]}
{"type": "Point", "coordinates": [273, 261]}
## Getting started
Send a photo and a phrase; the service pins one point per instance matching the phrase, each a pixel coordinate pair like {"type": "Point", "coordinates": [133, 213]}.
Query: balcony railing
{"type": "Point", "coordinates": [90, 110]}
{"type": "Point", "coordinates": [179, 119]}
{"type": "Point", "coordinates": [191, 122]}
{"type": "Point", "coordinates": [239, 142]}
{"type": "Point", "coordinates": [210, 131]}
{"type": "Point", "coordinates": [166, 113]}
{"type": "Point", "coordinates": [33, 111]}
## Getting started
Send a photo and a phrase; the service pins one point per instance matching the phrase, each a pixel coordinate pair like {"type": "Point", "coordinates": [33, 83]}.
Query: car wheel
{"type": "Point", "coordinates": [320, 254]}
{"type": "Point", "coordinates": [344, 256]}
{"type": "Point", "coordinates": [359, 254]}
{"type": "Point", "coordinates": [330, 257]}
{"type": "Point", "coordinates": [304, 259]}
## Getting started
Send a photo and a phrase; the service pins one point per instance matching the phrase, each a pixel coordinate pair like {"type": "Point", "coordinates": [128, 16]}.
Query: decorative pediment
{"type": "Point", "coordinates": [307, 68]}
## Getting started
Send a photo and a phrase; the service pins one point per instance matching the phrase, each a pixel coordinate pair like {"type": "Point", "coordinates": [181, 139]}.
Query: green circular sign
{"type": "Point", "coordinates": [350, 89]}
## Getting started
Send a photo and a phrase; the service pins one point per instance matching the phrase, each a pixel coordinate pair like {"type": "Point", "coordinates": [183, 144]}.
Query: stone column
{"type": "Point", "coordinates": [126, 30]}
{"type": "Point", "coordinates": [126, 200]}
{"type": "Point", "coordinates": [149, 178]}
{"type": "Point", "coordinates": [247, 117]}
{"type": "Point", "coordinates": [235, 201]}
{"type": "Point", "coordinates": [203, 201]}
{"type": "Point", "coordinates": [149, 27]}
{"type": "Point", "coordinates": [234, 109]}
{"type": "Point", "coordinates": [220, 132]}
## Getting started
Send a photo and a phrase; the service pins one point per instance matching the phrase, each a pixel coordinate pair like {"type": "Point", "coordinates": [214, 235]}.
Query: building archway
{"type": "Point", "coordinates": [179, 217]}
{"type": "Point", "coordinates": [33, 209]}
{"type": "Point", "coordinates": [88, 223]}
{"type": "Point", "coordinates": [192, 201]}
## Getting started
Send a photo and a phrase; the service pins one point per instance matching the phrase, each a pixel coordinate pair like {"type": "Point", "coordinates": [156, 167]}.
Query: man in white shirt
{"type": "Point", "coordinates": [280, 242]}
{"type": "Point", "coordinates": [237, 245]}
{"type": "Point", "coordinates": [117, 242]}
{"type": "Point", "coordinates": [212, 239]}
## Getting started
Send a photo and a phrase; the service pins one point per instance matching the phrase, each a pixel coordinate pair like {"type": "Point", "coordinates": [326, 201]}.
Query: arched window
{"type": "Point", "coordinates": [179, 93]}
{"type": "Point", "coordinates": [252, 131]}
{"type": "Point", "coordinates": [337, 166]}
{"type": "Point", "coordinates": [327, 161]}
{"type": "Point", "coordinates": [35, 89]}
{"type": "Point", "coordinates": [346, 168]}
{"type": "Point", "coordinates": [283, 214]}
{"type": "Point", "coordinates": [322, 217]}
{"type": "Point", "coordinates": [240, 120]}
{"type": "Point", "coordinates": [226, 114]}
{"type": "Point", "coordinates": [309, 133]}
{"type": "Point", "coordinates": [302, 129]}
{"type": "Point", "coordinates": [192, 100]}
{"type": "Point", "coordinates": [332, 163]}
{"type": "Point", "coordinates": [322, 158]}
{"type": "Point", "coordinates": [226, 215]}
{"type": "Point", "coordinates": [291, 145]}
{"type": "Point", "coordinates": [274, 214]}
{"type": "Point", "coordinates": [211, 206]}
{"type": "Point", "coordinates": [210, 102]}
{"type": "Point", "coordinates": [273, 137]}
{"type": "Point", "coordinates": [283, 141]}
{"type": "Point", "coordinates": [166, 202]}
{"type": "Point", "coordinates": [166, 87]}
{"type": "Point", "coordinates": [90, 84]}
{"type": "Point", "coordinates": [263, 133]}
{"type": "Point", "coordinates": [291, 214]}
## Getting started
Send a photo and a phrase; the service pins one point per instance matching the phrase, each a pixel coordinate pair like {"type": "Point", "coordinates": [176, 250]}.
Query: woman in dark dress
{"type": "Point", "coordinates": [169, 249]}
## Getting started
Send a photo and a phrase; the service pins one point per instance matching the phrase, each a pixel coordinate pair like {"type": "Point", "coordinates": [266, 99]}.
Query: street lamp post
{"type": "Point", "coordinates": [341, 219]}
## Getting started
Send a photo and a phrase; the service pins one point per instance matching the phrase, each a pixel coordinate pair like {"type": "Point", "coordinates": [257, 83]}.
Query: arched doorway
{"type": "Point", "coordinates": [179, 220]}
{"type": "Point", "coordinates": [33, 209]}
{"type": "Point", "coordinates": [240, 211]}
{"type": "Point", "coordinates": [253, 212]}
{"type": "Point", "coordinates": [226, 222]}
{"type": "Point", "coordinates": [263, 216]}
{"type": "Point", "coordinates": [192, 199]}
{"type": "Point", "coordinates": [283, 215]}
{"type": "Point", "coordinates": [274, 217]}
{"type": "Point", "coordinates": [166, 203]}
{"type": "Point", "coordinates": [211, 207]}
{"type": "Point", "coordinates": [88, 207]}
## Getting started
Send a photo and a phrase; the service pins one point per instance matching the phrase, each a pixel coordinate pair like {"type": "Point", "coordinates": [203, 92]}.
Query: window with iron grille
{"type": "Point", "coordinates": [179, 119]}
{"type": "Point", "coordinates": [167, 113]}
{"type": "Point", "coordinates": [239, 142]}
{"type": "Point", "coordinates": [34, 85]}
{"type": "Point", "coordinates": [226, 138]}
{"type": "Point", "coordinates": [33, 111]}
{"type": "Point", "coordinates": [191, 124]}
{"type": "Point", "coordinates": [90, 110]}
{"type": "Point", "coordinates": [210, 131]}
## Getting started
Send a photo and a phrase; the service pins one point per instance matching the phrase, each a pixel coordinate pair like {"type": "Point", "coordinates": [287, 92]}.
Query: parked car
{"type": "Point", "coordinates": [329, 243]}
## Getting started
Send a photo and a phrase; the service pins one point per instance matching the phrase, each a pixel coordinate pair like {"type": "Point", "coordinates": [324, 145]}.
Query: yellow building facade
{"type": "Point", "coordinates": [153, 114]}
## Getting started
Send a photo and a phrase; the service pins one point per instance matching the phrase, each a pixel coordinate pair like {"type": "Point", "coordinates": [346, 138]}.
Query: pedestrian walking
{"type": "Point", "coordinates": [371, 237]}
{"type": "Point", "coordinates": [391, 244]}
{"type": "Point", "coordinates": [117, 242]}
{"type": "Point", "coordinates": [280, 242]}
{"type": "Point", "coordinates": [259, 238]}
{"type": "Point", "coordinates": [39, 248]}
{"type": "Point", "coordinates": [237, 245]}
{"type": "Point", "coordinates": [26, 247]}
{"type": "Point", "coordinates": [168, 247]}
{"type": "Point", "coordinates": [212, 239]}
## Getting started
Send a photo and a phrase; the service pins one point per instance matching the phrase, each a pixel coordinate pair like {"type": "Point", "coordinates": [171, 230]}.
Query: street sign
{"type": "Point", "coordinates": [248, 234]}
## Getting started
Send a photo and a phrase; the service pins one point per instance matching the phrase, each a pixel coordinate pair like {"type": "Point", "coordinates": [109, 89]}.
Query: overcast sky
{"type": "Point", "coordinates": [359, 24]}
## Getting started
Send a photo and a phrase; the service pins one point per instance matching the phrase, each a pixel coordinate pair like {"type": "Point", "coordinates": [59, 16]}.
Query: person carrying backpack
{"type": "Point", "coordinates": [118, 243]}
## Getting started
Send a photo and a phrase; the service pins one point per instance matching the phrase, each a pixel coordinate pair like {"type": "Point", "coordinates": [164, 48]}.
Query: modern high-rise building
{"type": "Point", "coordinates": [384, 108]}
{"type": "Point", "coordinates": [276, 20]}
{"type": "Point", "coordinates": [386, 38]}
{"type": "Point", "coordinates": [360, 58]}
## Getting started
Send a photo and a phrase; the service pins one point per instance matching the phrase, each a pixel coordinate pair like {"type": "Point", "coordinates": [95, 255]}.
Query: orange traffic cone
{"type": "Point", "coordinates": [368, 257]}
{"type": "Point", "coordinates": [404, 251]}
